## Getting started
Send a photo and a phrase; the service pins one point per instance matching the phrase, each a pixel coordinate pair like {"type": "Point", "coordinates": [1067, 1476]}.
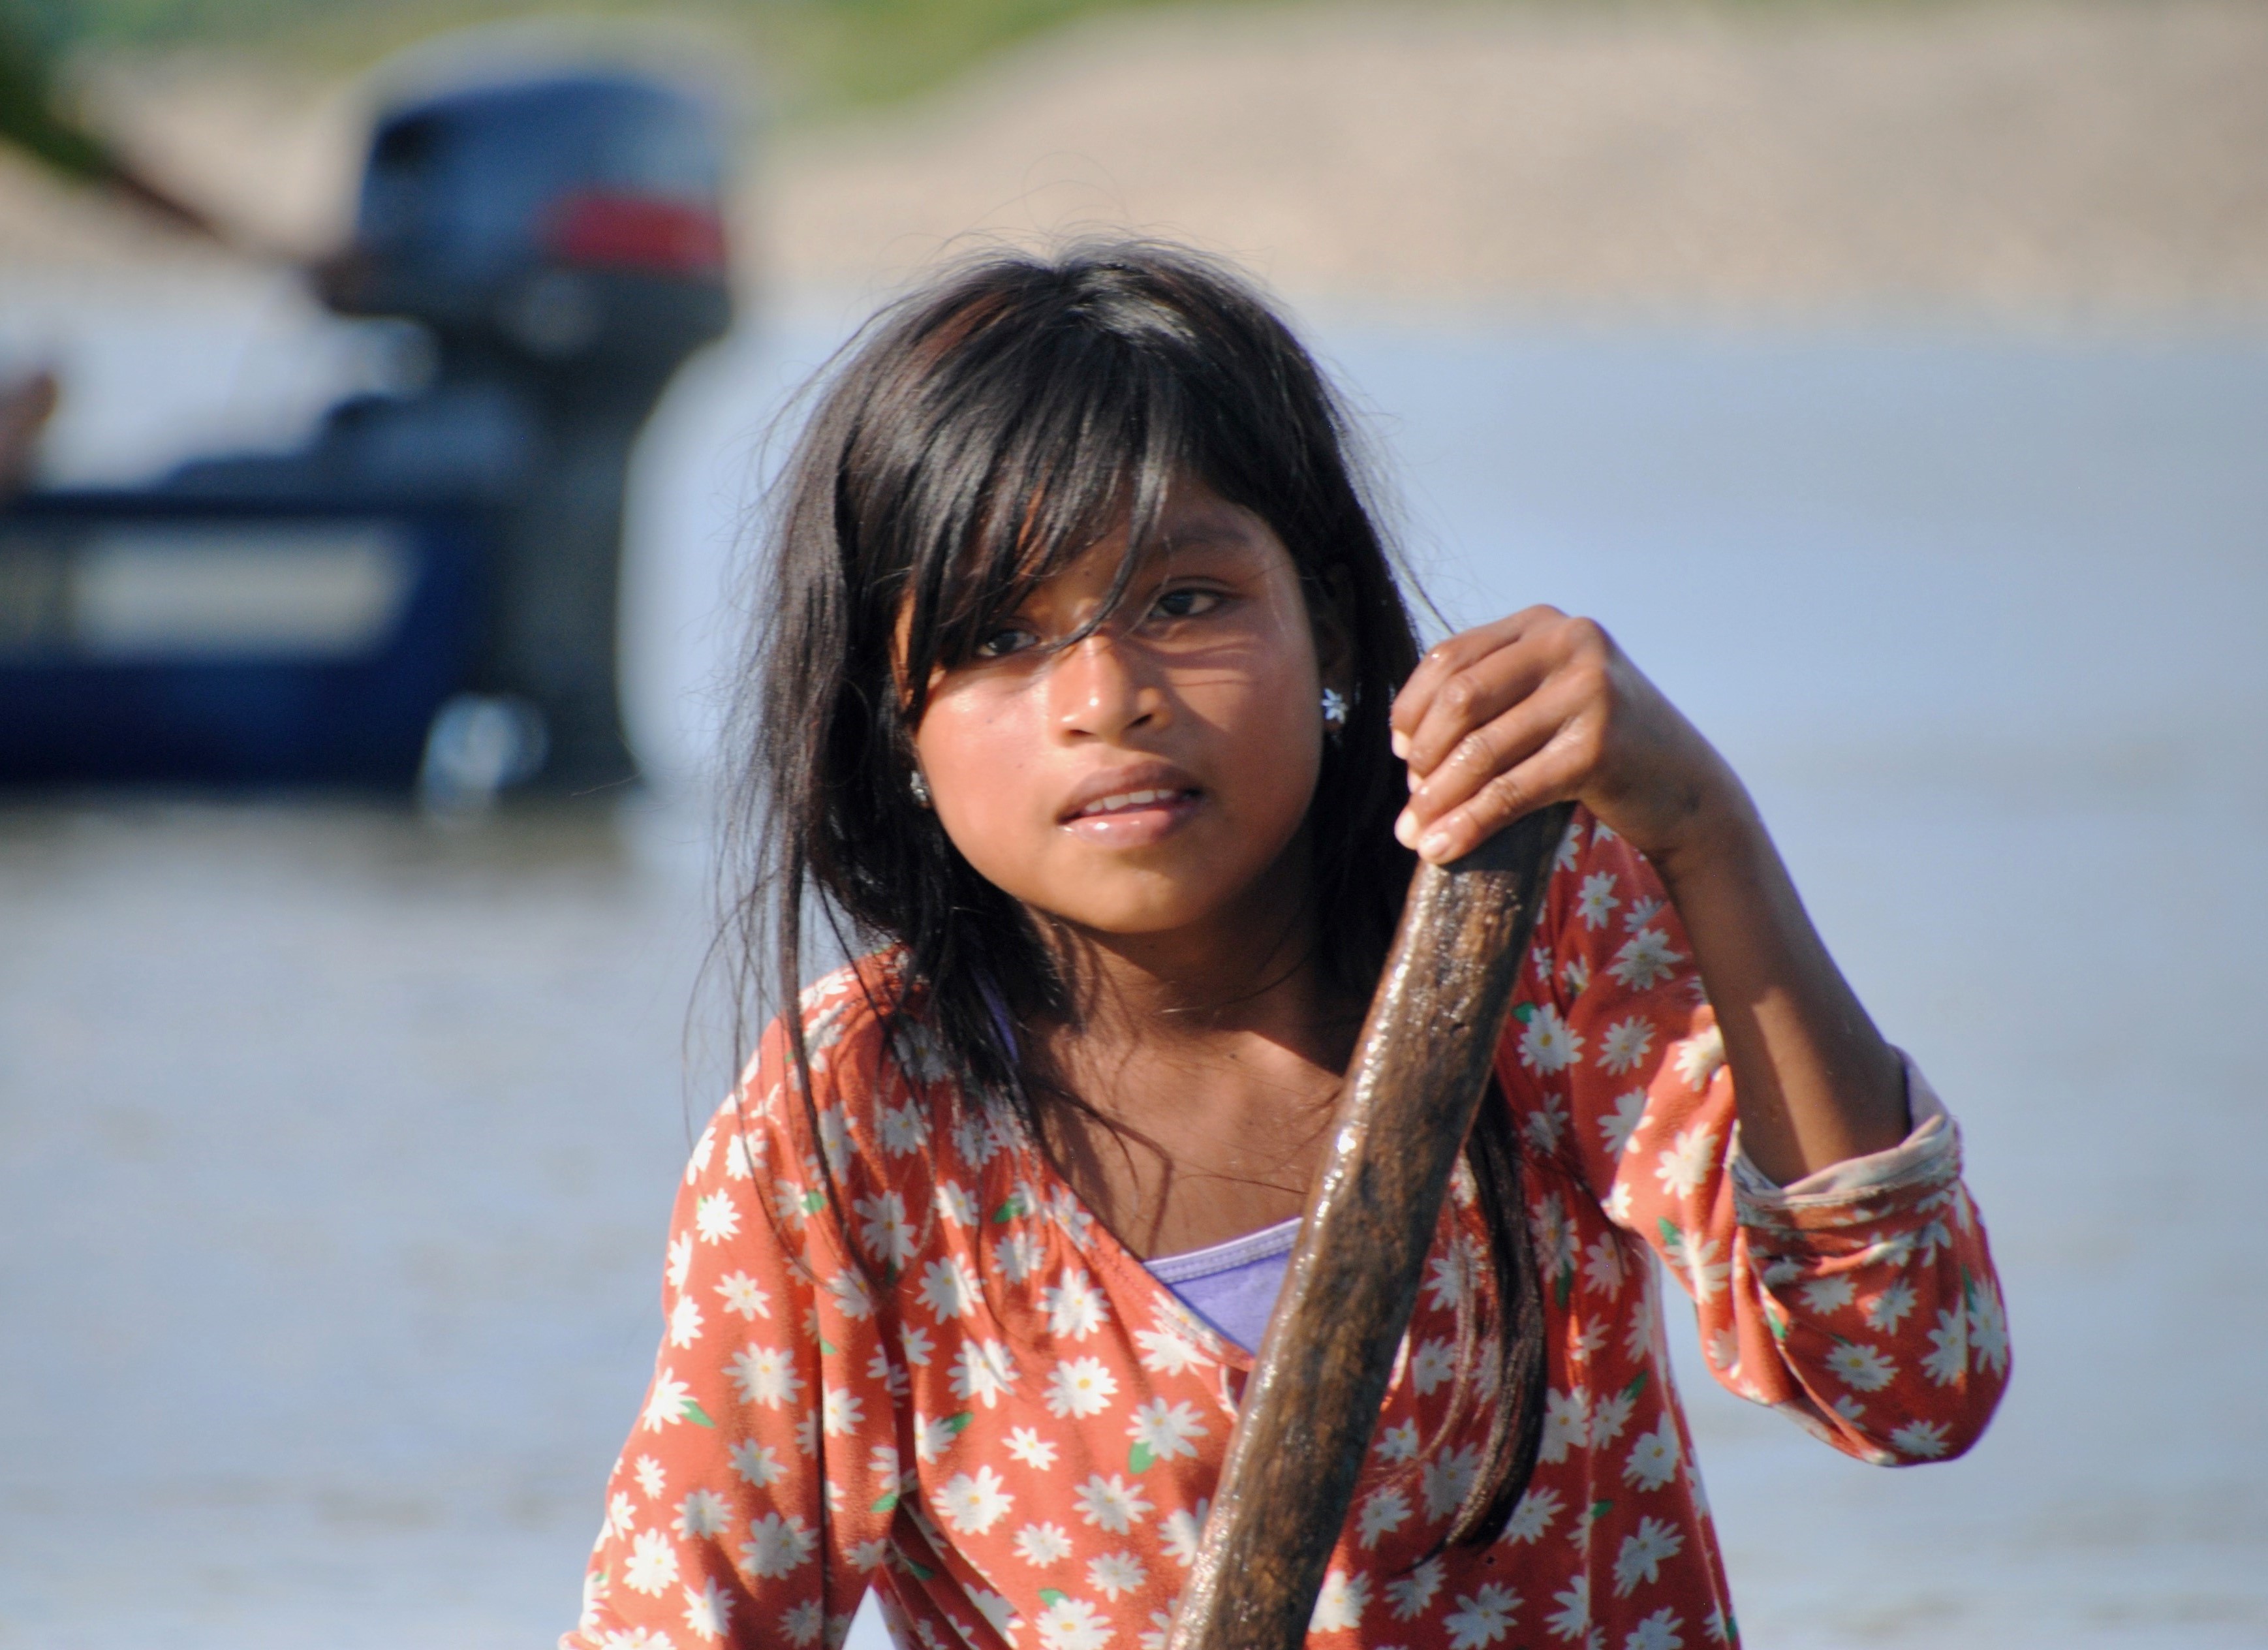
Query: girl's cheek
{"type": "Point", "coordinates": [978, 752]}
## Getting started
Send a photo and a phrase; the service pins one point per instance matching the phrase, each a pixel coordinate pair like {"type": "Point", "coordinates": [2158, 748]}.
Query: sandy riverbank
{"type": "Point", "coordinates": [2067, 159]}
{"type": "Point", "coordinates": [2080, 159]}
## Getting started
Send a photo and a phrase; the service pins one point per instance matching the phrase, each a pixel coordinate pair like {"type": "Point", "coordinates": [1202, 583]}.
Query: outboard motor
{"type": "Point", "coordinates": [559, 241]}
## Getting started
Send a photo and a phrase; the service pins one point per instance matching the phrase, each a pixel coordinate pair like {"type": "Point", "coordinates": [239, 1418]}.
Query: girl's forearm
{"type": "Point", "coordinates": [1815, 1082]}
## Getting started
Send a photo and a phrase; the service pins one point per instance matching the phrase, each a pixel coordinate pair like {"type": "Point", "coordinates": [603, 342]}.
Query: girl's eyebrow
{"type": "Point", "coordinates": [1202, 536]}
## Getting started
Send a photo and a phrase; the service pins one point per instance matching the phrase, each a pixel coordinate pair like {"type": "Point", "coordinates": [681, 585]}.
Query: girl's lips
{"type": "Point", "coordinates": [1125, 801]}
{"type": "Point", "coordinates": [1133, 819]}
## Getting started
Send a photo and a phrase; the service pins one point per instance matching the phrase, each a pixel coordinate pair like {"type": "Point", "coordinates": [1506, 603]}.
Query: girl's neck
{"type": "Point", "coordinates": [1201, 1068]}
{"type": "Point", "coordinates": [1250, 967]}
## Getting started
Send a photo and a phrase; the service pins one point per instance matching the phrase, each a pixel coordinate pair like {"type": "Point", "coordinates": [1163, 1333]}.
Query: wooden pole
{"type": "Point", "coordinates": [1313, 1399]}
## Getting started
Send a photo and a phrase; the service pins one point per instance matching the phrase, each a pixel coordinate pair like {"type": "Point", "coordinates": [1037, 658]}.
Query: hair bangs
{"type": "Point", "coordinates": [1088, 441]}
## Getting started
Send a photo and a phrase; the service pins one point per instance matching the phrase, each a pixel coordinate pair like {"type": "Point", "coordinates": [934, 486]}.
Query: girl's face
{"type": "Point", "coordinates": [1143, 779]}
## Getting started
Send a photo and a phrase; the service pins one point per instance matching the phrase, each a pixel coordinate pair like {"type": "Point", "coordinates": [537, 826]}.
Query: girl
{"type": "Point", "coordinates": [1086, 703]}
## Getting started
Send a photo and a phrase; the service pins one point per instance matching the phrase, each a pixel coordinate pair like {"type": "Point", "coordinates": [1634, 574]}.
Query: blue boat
{"type": "Point", "coordinates": [146, 637]}
{"type": "Point", "coordinates": [434, 577]}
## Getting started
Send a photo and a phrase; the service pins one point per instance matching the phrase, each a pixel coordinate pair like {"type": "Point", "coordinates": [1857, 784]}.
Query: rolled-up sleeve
{"type": "Point", "coordinates": [1880, 1323]}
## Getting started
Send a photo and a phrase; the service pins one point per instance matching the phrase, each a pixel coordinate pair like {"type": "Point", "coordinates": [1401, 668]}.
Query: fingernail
{"type": "Point", "coordinates": [1435, 847]}
{"type": "Point", "coordinates": [1404, 828]}
{"type": "Point", "coordinates": [1412, 777]}
{"type": "Point", "coordinates": [1401, 743]}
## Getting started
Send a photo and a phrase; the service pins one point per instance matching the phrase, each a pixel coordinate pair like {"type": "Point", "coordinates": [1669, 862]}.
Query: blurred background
{"type": "Point", "coordinates": [384, 390]}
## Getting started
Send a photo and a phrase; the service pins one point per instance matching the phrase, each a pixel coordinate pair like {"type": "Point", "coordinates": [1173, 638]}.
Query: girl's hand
{"type": "Point", "coordinates": [1541, 708]}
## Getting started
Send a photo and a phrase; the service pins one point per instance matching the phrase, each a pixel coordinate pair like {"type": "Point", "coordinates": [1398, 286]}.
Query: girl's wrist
{"type": "Point", "coordinates": [1721, 837]}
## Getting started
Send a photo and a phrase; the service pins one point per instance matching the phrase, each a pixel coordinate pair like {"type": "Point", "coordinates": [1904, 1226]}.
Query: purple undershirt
{"type": "Point", "coordinates": [1233, 1285]}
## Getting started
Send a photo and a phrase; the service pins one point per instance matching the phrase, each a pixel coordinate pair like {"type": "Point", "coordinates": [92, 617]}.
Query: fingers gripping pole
{"type": "Point", "coordinates": [1410, 1096]}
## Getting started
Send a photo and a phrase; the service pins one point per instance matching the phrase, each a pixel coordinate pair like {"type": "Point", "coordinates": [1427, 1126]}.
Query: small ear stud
{"type": "Point", "coordinates": [1335, 711]}
{"type": "Point", "coordinates": [919, 786]}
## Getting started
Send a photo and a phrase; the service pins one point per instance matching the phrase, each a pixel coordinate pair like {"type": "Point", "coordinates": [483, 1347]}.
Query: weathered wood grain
{"type": "Point", "coordinates": [1310, 1405]}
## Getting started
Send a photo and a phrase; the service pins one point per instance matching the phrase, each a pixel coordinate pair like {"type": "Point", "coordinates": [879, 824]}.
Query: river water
{"type": "Point", "coordinates": [336, 1146]}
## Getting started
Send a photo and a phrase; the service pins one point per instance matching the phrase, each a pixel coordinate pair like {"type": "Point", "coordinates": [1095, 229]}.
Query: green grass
{"type": "Point", "coordinates": [822, 54]}
{"type": "Point", "coordinates": [819, 54]}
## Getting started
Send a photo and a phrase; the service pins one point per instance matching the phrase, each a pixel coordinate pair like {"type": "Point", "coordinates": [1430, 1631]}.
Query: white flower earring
{"type": "Point", "coordinates": [919, 786]}
{"type": "Point", "coordinates": [1334, 713]}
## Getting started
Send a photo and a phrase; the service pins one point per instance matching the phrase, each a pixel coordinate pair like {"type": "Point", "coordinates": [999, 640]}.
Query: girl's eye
{"type": "Point", "coordinates": [1009, 638]}
{"type": "Point", "coordinates": [1186, 603]}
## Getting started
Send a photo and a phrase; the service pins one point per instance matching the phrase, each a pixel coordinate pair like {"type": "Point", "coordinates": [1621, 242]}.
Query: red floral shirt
{"type": "Point", "coordinates": [958, 1389]}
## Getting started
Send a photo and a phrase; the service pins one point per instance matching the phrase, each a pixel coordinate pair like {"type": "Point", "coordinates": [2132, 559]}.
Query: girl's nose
{"type": "Point", "coordinates": [1098, 691]}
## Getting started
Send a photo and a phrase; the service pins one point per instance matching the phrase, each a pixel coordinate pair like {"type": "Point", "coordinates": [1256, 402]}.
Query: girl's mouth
{"type": "Point", "coordinates": [1134, 808]}
{"type": "Point", "coordinates": [1132, 801]}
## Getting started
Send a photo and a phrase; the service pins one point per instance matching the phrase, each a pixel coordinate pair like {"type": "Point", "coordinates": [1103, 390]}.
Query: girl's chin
{"type": "Point", "coordinates": [1107, 908]}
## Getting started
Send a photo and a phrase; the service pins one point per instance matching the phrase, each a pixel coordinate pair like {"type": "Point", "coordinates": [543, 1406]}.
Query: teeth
{"type": "Point", "coordinates": [1126, 799]}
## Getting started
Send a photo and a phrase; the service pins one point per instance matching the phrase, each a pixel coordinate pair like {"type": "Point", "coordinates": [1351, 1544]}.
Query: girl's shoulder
{"type": "Point", "coordinates": [1601, 885]}
{"type": "Point", "coordinates": [882, 1087]}
{"type": "Point", "coordinates": [1606, 931]}
{"type": "Point", "coordinates": [1609, 996]}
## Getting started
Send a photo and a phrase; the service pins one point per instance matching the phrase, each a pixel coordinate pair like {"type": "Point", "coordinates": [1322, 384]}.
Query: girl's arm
{"type": "Point", "coordinates": [1539, 707]}
{"type": "Point", "coordinates": [1861, 1302]}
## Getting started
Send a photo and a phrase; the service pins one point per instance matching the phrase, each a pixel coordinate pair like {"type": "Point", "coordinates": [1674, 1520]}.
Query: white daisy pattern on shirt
{"type": "Point", "coordinates": [938, 1375]}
